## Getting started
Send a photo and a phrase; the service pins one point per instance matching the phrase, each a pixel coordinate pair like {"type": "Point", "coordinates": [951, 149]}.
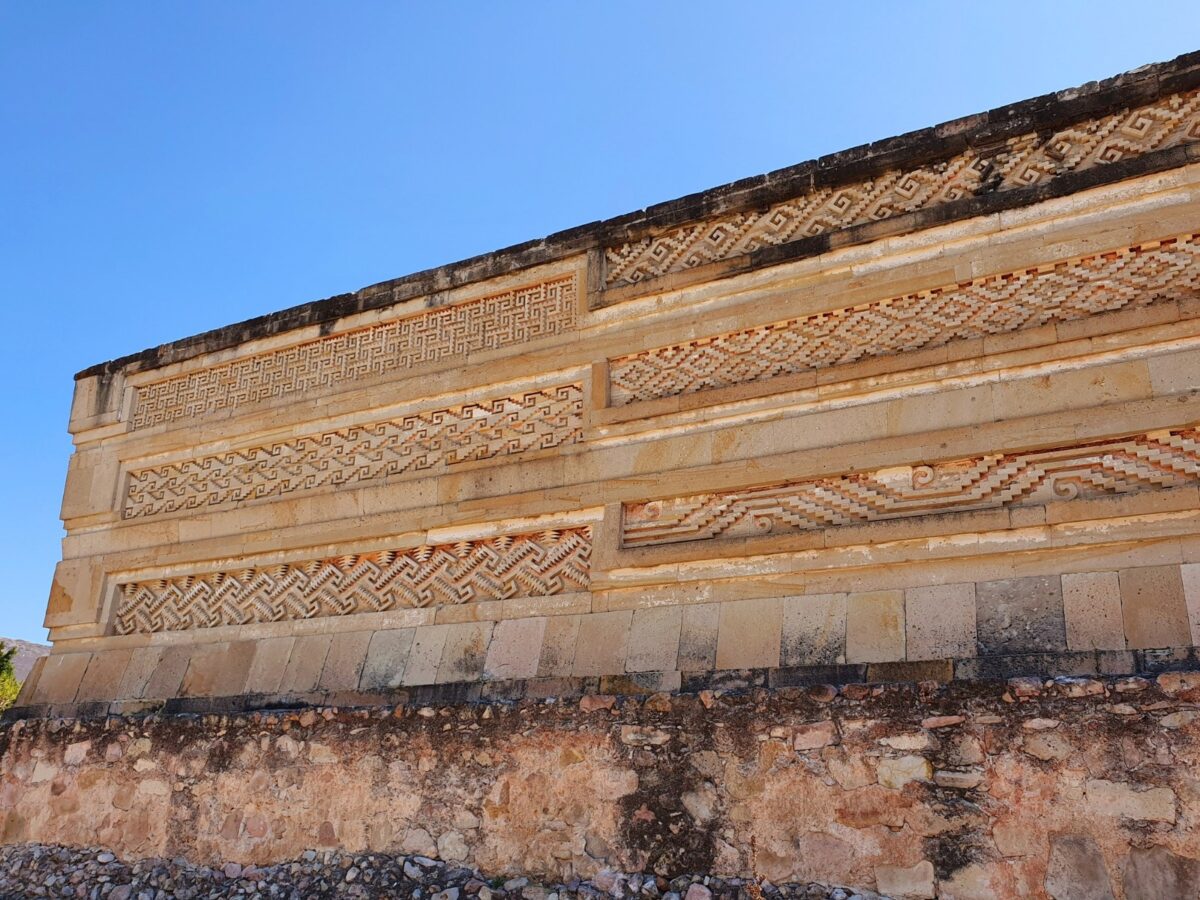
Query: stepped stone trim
{"type": "Point", "coordinates": [523, 565]}
{"type": "Point", "coordinates": [432, 439]}
{"type": "Point", "coordinates": [410, 343]}
{"type": "Point", "coordinates": [1021, 161]}
{"type": "Point", "coordinates": [1130, 277]}
{"type": "Point", "coordinates": [1150, 461]}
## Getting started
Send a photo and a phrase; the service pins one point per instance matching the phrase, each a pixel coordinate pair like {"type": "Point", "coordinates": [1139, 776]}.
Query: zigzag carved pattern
{"type": "Point", "coordinates": [1156, 460]}
{"type": "Point", "coordinates": [429, 439]}
{"type": "Point", "coordinates": [1024, 160]}
{"type": "Point", "coordinates": [997, 304]}
{"type": "Point", "coordinates": [489, 323]}
{"type": "Point", "coordinates": [526, 565]}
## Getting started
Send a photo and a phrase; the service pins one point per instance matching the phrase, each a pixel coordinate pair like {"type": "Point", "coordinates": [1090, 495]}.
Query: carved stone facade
{"type": "Point", "coordinates": [922, 410]}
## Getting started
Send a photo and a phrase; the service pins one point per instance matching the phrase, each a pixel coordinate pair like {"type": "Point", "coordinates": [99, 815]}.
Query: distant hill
{"type": "Point", "coordinates": [27, 653]}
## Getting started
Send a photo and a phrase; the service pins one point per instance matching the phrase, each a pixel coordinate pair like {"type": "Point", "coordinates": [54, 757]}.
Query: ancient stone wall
{"type": "Point", "coordinates": [1073, 788]}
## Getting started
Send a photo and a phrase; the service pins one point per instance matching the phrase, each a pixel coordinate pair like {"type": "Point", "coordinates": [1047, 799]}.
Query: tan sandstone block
{"type": "Point", "coordinates": [750, 634]}
{"type": "Point", "coordinates": [1190, 573]}
{"type": "Point", "coordinates": [102, 681]}
{"type": "Point", "coordinates": [75, 593]}
{"type": "Point", "coordinates": [465, 652]}
{"type": "Point", "coordinates": [814, 630]}
{"type": "Point", "coordinates": [698, 637]}
{"type": "Point", "coordinates": [875, 626]}
{"type": "Point", "coordinates": [1092, 608]}
{"type": "Point", "coordinates": [142, 663]}
{"type": "Point", "coordinates": [304, 667]}
{"type": "Point", "coordinates": [60, 678]}
{"type": "Point", "coordinates": [515, 649]}
{"type": "Point", "coordinates": [654, 639]}
{"type": "Point", "coordinates": [939, 621]}
{"type": "Point", "coordinates": [601, 646]}
{"type": "Point", "coordinates": [1153, 608]}
{"type": "Point", "coordinates": [425, 655]}
{"type": "Point", "coordinates": [168, 674]}
{"type": "Point", "coordinates": [558, 646]}
{"type": "Point", "coordinates": [218, 670]}
{"type": "Point", "coordinates": [270, 662]}
{"type": "Point", "coordinates": [344, 662]}
{"type": "Point", "coordinates": [387, 658]}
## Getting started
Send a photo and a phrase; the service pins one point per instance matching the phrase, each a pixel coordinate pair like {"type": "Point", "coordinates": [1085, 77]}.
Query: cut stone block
{"type": "Point", "coordinates": [1020, 615]}
{"type": "Point", "coordinates": [1154, 608]}
{"type": "Point", "coordinates": [1092, 609]}
{"type": "Point", "coordinates": [814, 630]}
{"type": "Point", "coordinates": [750, 634]}
{"type": "Point", "coordinates": [939, 621]}
{"type": "Point", "coordinates": [875, 626]}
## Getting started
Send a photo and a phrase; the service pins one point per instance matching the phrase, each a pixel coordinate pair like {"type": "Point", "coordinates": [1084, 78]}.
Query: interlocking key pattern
{"type": "Point", "coordinates": [1025, 160]}
{"type": "Point", "coordinates": [1065, 291]}
{"type": "Point", "coordinates": [488, 323]}
{"type": "Point", "coordinates": [525, 565]}
{"type": "Point", "coordinates": [433, 439]}
{"type": "Point", "coordinates": [1155, 460]}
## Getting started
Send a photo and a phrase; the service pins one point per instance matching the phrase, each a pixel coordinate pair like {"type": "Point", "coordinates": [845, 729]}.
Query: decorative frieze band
{"type": "Point", "coordinates": [1155, 460]}
{"type": "Point", "coordinates": [526, 565]}
{"type": "Point", "coordinates": [488, 323]}
{"type": "Point", "coordinates": [1025, 160]}
{"type": "Point", "coordinates": [433, 439]}
{"type": "Point", "coordinates": [1074, 289]}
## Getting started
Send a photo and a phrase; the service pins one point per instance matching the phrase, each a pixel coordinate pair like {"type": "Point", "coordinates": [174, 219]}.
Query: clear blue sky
{"type": "Point", "coordinates": [169, 167]}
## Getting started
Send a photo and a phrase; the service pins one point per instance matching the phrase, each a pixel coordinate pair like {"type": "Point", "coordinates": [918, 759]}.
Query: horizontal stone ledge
{"type": "Point", "coordinates": [846, 679]}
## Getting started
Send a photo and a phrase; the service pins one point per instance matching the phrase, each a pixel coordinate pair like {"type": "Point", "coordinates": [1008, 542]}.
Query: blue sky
{"type": "Point", "coordinates": [168, 167]}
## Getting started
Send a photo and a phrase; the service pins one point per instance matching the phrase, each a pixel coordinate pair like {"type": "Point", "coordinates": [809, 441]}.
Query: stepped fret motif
{"type": "Point", "coordinates": [489, 323]}
{"type": "Point", "coordinates": [1157, 460]}
{"type": "Point", "coordinates": [1024, 160]}
{"type": "Point", "coordinates": [429, 440]}
{"type": "Point", "coordinates": [526, 565]}
{"type": "Point", "coordinates": [1131, 277]}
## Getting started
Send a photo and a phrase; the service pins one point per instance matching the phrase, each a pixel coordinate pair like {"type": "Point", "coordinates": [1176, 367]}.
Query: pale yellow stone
{"type": "Point", "coordinates": [1092, 607]}
{"type": "Point", "coordinates": [750, 634]}
{"type": "Point", "coordinates": [875, 626]}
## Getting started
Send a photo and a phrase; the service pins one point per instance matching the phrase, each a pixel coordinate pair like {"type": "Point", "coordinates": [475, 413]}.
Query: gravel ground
{"type": "Point", "coordinates": [37, 870]}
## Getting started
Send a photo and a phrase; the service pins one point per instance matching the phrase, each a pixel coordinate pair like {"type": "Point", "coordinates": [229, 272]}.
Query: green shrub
{"type": "Point", "coordinates": [9, 686]}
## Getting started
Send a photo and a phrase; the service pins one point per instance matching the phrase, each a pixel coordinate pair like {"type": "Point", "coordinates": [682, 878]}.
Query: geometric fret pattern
{"type": "Point", "coordinates": [1024, 160]}
{"type": "Point", "coordinates": [527, 565]}
{"type": "Point", "coordinates": [433, 439]}
{"type": "Point", "coordinates": [502, 320]}
{"type": "Point", "coordinates": [1155, 460]}
{"type": "Point", "coordinates": [1074, 289]}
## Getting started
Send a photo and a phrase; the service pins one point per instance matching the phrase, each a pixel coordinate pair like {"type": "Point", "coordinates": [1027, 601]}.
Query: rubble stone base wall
{"type": "Point", "coordinates": [993, 789]}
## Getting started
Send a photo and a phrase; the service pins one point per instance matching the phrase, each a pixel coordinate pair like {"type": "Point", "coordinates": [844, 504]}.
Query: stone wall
{"type": "Point", "coordinates": [929, 406]}
{"type": "Point", "coordinates": [1066, 788]}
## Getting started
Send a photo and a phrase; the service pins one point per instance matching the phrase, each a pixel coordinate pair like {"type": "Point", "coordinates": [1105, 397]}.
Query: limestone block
{"type": "Point", "coordinates": [218, 670]}
{"type": "Point", "coordinates": [1154, 609]}
{"type": "Point", "coordinates": [1153, 873]}
{"type": "Point", "coordinates": [698, 637]}
{"type": "Point", "coordinates": [142, 663]}
{"type": "Point", "coordinates": [465, 652]}
{"type": "Point", "coordinates": [102, 681]}
{"type": "Point", "coordinates": [92, 479]}
{"type": "Point", "coordinates": [425, 655]}
{"type": "Point", "coordinates": [168, 675]}
{"type": "Point", "coordinates": [558, 647]}
{"type": "Point", "coordinates": [305, 665]}
{"type": "Point", "coordinates": [270, 662]}
{"type": "Point", "coordinates": [1076, 870]}
{"type": "Point", "coordinates": [75, 594]}
{"type": "Point", "coordinates": [1092, 610]}
{"type": "Point", "coordinates": [915, 882]}
{"type": "Point", "coordinates": [814, 630]}
{"type": "Point", "coordinates": [875, 626]}
{"type": "Point", "coordinates": [515, 649]}
{"type": "Point", "coordinates": [603, 639]}
{"type": "Point", "coordinates": [387, 658]}
{"type": "Point", "coordinates": [1020, 615]}
{"type": "Point", "coordinates": [939, 621]}
{"type": "Point", "coordinates": [654, 639]}
{"type": "Point", "coordinates": [750, 634]}
{"type": "Point", "coordinates": [344, 662]}
{"type": "Point", "coordinates": [61, 676]}
{"type": "Point", "coordinates": [1190, 574]}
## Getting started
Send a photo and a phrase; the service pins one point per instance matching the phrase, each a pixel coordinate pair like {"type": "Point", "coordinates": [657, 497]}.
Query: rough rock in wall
{"type": "Point", "coordinates": [1017, 789]}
